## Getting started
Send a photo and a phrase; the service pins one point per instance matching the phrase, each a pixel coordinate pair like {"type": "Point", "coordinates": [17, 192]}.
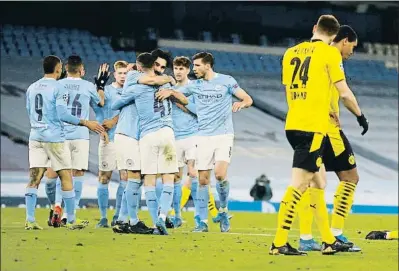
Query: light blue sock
{"type": "Point", "coordinates": [223, 189]}
{"type": "Point", "coordinates": [78, 185]}
{"type": "Point", "coordinates": [194, 190]}
{"type": "Point", "coordinates": [158, 188]}
{"type": "Point", "coordinates": [132, 193]}
{"type": "Point", "coordinates": [102, 196]}
{"type": "Point", "coordinates": [166, 198]}
{"type": "Point", "coordinates": [177, 199]}
{"type": "Point", "coordinates": [50, 188]}
{"type": "Point", "coordinates": [30, 202]}
{"type": "Point", "coordinates": [203, 198]}
{"type": "Point", "coordinates": [123, 212]}
{"type": "Point", "coordinates": [152, 202]}
{"type": "Point", "coordinates": [119, 194]}
{"type": "Point", "coordinates": [69, 199]}
{"type": "Point", "coordinates": [58, 195]}
{"type": "Point", "coordinates": [140, 192]}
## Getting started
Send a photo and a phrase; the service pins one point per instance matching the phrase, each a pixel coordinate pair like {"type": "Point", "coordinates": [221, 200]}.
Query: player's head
{"type": "Point", "coordinates": [74, 66]}
{"type": "Point", "coordinates": [181, 68]}
{"type": "Point", "coordinates": [202, 63]}
{"type": "Point", "coordinates": [120, 71]}
{"type": "Point", "coordinates": [145, 61]}
{"type": "Point", "coordinates": [163, 60]}
{"type": "Point", "coordinates": [52, 65]}
{"type": "Point", "coordinates": [346, 41]}
{"type": "Point", "coordinates": [327, 26]}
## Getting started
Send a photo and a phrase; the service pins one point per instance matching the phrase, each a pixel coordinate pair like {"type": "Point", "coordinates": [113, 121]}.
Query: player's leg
{"type": "Point", "coordinates": [177, 198]}
{"type": "Point", "coordinates": [346, 170]}
{"type": "Point", "coordinates": [53, 192]}
{"type": "Point", "coordinates": [121, 204]}
{"type": "Point", "coordinates": [186, 191]}
{"type": "Point", "coordinates": [104, 177]}
{"type": "Point", "coordinates": [307, 151]}
{"type": "Point", "coordinates": [192, 182]}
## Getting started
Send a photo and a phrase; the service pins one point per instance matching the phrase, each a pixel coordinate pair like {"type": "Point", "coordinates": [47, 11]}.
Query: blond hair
{"type": "Point", "coordinates": [120, 64]}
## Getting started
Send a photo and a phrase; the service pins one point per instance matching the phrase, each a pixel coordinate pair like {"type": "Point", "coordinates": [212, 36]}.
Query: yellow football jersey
{"type": "Point", "coordinates": [309, 71]}
{"type": "Point", "coordinates": [333, 126]}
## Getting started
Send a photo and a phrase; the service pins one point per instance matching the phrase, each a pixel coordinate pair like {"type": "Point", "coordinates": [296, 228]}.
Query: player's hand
{"type": "Point", "coordinates": [172, 80]}
{"type": "Point", "coordinates": [364, 123]}
{"type": "Point", "coordinates": [163, 94]}
{"type": "Point", "coordinates": [131, 67]}
{"type": "Point", "coordinates": [105, 137]}
{"type": "Point", "coordinates": [237, 106]}
{"type": "Point", "coordinates": [94, 126]}
{"type": "Point", "coordinates": [102, 77]}
{"type": "Point", "coordinates": [108, 124]}
{"type": "Point", "coordinates": [335, 118]}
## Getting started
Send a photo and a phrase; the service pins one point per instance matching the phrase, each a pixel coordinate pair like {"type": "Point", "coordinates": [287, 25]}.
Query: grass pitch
{"type": "Point", "coordinates": [244, 248]}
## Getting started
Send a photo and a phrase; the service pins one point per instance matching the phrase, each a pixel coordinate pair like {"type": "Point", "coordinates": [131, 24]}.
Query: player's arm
{"type": "Point", "coordinates": [157, 80]}
{"type": "Point", "coordinates": [110, 123]}
{"type": "Point", "coordinates": [190, 108]}
{"type": "Point", "coordinates": [100, 81]}
{"type": "Point", "coordinates": [246, 100]}
{"type": "Point", "coordinates": [126, 98]}
{"type": "Point", "coordinates": [166, 93]}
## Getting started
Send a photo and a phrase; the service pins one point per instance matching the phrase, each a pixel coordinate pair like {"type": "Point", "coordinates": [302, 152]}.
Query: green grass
{"type": "Point", "coordinates": [244, 248]}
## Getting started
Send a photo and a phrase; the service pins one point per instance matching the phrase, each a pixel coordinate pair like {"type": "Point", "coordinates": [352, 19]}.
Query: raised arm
{"type": "Point", "coordinates": [157, 80]}
{"type": "Point", "coordinates": [125, 99]}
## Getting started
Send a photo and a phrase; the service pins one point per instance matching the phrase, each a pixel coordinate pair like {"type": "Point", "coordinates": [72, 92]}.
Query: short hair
{"type": "Point", "coordinates": [182, 61]}
{"type": "Point", "coordinates": [206, 58]}
{"type": "Point", "coordinates": [74, 62]}
{"type": "Point", "coordinates": [49, 63]}
{"type": "Point", "coordinates": [162, 54]}
{"type": "Point", "coordinates": [328, 24]}
{"type": "Point", "coordinates": [120, 64]}
{"type": "Point", "coordinates": [345, 31]}
{"type": "Point", "coordinates": [146, 60]}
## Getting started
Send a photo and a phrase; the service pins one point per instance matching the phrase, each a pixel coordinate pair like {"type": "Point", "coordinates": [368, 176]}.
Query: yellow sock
{"type": "Point", "coordinates": [305, 217]}
{"type": "Point", "coordinates": [286, 215]}
{"type": "Point", "coordinates": [319, 207]}
{"type": "Point", "coordinates": [211, 204]}
{"type": "Point", "coordinates": [185, 195]}
{"type": "Point", "coordinates": [343, 200]}
{"type": "Point", "coordinates": [392, 235]}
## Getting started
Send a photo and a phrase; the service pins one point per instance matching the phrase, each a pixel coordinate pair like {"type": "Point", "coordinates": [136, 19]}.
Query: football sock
{"type": "Point", "coordinates": [392, 235]}
{"type": "Point", "coordinates": [78, 185]}
{"type": "Point", "coordinates": [211, 204]}
{"type": "Point", "coordinates": [69, 199]}
{"type": "Point", "coordinates": [203, 198]}
{"type": "Point", "coordinates": [166, 199]}
{"type": "Point", "coordinates": [158, 188]}
{"type": "Point", "coordinates": [132, 192]}
{"type": "Point", "coordinates": [185, 195]}
{"type": "Point", "coordinates": [123, 212]}
{"type": "Point", "coordinates": [102, 196]}
{"type": "Point", "coordinates": [30, 202]}
{"type": "Point", "coordinates": [319, 207]}
{"type": "Point", "coordinates": [194, 190]}
{"type": "Point", "coordinates": [58, 195]}
{"type": "Point", "coordinates": [119, 194]}
{"type": "Point", "coordinates": [343, 200]}
{"type": "Point", "coordinates": [305, 217]}
{"type": "Point", "coordinates": [50, 188]}
{"type": "Point", "coordinates": [286, 215]}
{"type": "Point", "coordinates": [223, 189]}
{"type": "Point", "coordinates": [177, 195]}
{"type": "Point", "coordinates": [152, 202]}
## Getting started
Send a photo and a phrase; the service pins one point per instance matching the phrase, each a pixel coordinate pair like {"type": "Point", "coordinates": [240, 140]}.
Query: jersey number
{"type": "Point", "coordinates": [159, 106]}
{"type": "Point", "coordinates": [39, 106]}
{"type": "Point", "coordinates": [303, 71]}
{"type": "Point", "coordinates": [76, 107]}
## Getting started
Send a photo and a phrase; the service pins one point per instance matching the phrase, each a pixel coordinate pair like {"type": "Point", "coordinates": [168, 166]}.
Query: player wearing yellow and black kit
{"type": "Point", "coordinates": [310, 69]}
{"type": "Point", "coordinates": [337, 157]}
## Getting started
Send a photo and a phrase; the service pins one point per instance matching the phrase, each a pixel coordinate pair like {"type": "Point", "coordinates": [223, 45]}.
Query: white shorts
{"type": "Point", "coordinates": [41, 153]}
{"type": "Point", "coordinates": [158, 152]}
{"type": "Point", "coordinates": [211, 149]}
{"type": "Point", "coordinates": [186, 149]}
{"type": "Point", "coordinates": [127, 153]}
{"type": "Point", "coordinates": [106, 156]}
{"type": "Point", "coordinates": [79, 149]}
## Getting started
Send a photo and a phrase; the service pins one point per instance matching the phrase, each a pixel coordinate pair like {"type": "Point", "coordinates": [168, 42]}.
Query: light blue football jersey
{"type": "Point", "coordinates": [184, 124]}
{"type": "Point", "coordinates": [213, 99]}
{"type": "Point", "coordinates": [46, 103]}
{"type": "Point", "coordinates": [111, 94]}
{"type": "Point", "coordinates": [82, 94]}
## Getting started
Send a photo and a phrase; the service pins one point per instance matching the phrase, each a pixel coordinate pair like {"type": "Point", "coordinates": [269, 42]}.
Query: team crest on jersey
{"type": "Point", "coordinates": [218, 87]}
{"type": "Point", "coordinates": [104, 164]}
{"type": "Point", "coordinates": [319, 161]}
{"type": "Point", "coordinates": [351, 159]}
{"type": "Point", "coordinates": [129, 162]}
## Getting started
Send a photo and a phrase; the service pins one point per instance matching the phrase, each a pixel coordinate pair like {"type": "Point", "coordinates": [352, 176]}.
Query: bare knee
{"type": "Point", "coordinates": [204, 178]}
{"type": "Point", "coordinates": [351, 176]}
{"type": "Point", "coordinates": [104, 177]}
{"type": "Point", "coordinates": [78, 173]}
{"type": "Point", "coordinates": [220, 177]}
{"type": "Point", "coordinates": [178, 177]}
{"type": "Point", "coordinates": [35, 177]}
{"type": "Point", "coordinates": [123, 175]}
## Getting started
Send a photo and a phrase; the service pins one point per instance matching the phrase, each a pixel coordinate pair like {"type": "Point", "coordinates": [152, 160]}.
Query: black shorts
{"type": "Point", "coordinates": [308, 148]}
{"type": "Point", "coordinates": [337, 153]}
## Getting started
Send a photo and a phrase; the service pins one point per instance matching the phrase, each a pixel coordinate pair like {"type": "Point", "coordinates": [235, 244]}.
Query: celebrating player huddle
{"type": "Point", "coordinates": [150, 126]}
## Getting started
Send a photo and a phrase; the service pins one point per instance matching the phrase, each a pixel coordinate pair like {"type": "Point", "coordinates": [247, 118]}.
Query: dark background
{"type": "Point", "coordinates": [276, 20]}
